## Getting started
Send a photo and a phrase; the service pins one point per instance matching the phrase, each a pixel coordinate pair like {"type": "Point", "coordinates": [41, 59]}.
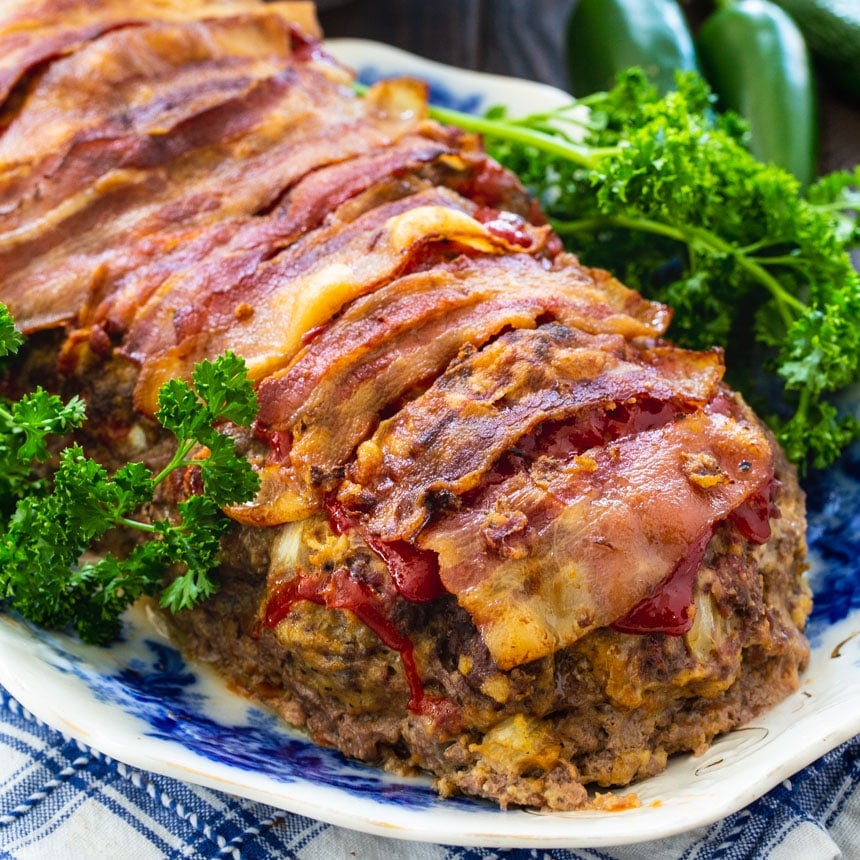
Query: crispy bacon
{"type": "Point", "coordinates": [227, 251]}
{"type": "Point", "coordinates": [35, 31]}
{"type": "Point", "coordinates": [266, 315]}
{"type": "Point", "coordinates": [387, 344]}
{"type": "Point", "coordinates": [397, 309]}
{"type": "Point", "coordinates": [88, 115]}
{"type": "Point", "coordinates": [441, 444]}
{"type": "Point", "coordinates": [554, 552]}
{"type": "Point", "coordinates": [164, 186]}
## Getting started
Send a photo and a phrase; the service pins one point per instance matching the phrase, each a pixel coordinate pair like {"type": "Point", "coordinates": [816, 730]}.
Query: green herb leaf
{"type": "Point", "coordinates": [225, 388]}
{"type": "Point", "coordinates": [10, 338]}
{"type": "Point", "coordinates": [51, 570]}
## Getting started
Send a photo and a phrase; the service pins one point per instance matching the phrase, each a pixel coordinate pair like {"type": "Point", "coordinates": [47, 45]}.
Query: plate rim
{"type": "Point", "coordinates": [486, 827]}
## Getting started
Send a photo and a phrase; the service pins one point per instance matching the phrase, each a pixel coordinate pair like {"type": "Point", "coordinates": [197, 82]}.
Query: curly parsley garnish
{"type": "Point", "coordinates": [48, 572]}
{"type": "Point", "coordinates": [664, 193]}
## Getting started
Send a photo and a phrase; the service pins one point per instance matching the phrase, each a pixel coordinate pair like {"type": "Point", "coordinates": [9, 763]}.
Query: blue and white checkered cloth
{"type": "Point", "coordinates": [61, 800]}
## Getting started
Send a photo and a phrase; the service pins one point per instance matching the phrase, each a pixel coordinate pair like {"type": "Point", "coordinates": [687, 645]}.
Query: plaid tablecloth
{"type": "Point", "coordinates": [61, 800]}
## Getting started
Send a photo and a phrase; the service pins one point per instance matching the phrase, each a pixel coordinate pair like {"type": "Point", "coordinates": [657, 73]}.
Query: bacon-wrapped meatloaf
{"type": "Point", "coordinates": [506, 533]}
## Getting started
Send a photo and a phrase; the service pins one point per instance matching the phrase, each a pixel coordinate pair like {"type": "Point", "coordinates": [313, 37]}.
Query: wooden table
{"type": "Point", "coordinates": [525, 38]}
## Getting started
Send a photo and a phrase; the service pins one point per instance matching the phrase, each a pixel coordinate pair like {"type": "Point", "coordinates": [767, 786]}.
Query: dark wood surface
{"type": "Point", "coordinates": [526, 38]}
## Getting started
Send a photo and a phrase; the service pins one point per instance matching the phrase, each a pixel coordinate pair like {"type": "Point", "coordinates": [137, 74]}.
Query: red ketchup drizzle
{"type": "Point", "coordinates": [278, 442]}
{"type": "Point", "coordinates": [506, 226]}
{"type": "Point", "coordinates": [490, 187]}
{"type": "Point", "coordinates": [667, 610]}
{"type": "Point", "coordinates": [564, 439]}
{"type": "Point", "coordinates": [568, 439]}
{"type": "Point", "coordinates": [340, 590]}
{"type": "Point", "coordinates": [415, 572]}
{"type": "Point", "coordinates": [752, 518]}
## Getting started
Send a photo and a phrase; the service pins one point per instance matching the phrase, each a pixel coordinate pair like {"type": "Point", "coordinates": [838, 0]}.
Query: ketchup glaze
{"type": "Point", "coordinates": [667, 609]}
{"type": "Point", "coordinates": [415, 572]}
{"type": "Point", "coordinates": [341, 590]}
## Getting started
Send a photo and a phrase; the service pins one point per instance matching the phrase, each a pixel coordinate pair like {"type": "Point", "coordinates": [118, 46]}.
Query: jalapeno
{"type": "Point", "coordinates": [604, 37]}
{"type": "Point", "coordinates": [831, 29]}
{"type": "Point", "coordinates": [756, 60]}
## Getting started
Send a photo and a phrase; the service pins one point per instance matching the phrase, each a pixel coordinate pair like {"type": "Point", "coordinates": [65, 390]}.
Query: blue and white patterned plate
{"type": "Point", "coordinates": [139, 702]}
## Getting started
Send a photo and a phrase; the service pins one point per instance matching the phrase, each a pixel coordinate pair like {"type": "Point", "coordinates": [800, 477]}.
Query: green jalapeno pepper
{"type": "Point", "coordinates": [831, 29]}
{"type": "Point", "coordinates": [604, 37]}
{"type": "Point", "coordinates": [755, 58]}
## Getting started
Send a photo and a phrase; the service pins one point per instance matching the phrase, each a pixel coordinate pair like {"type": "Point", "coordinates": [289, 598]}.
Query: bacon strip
{"type": "Point", "coordinates": [379, 319]}
{"type": "Point", "coordinates": [441, 444]}
{"type": "Point", "coordinates": [342, 408]}
{"type": "Point", "coordinates": [50, 261]}
{"type": "Point", "coordinates": [135, 212]}
{"type": "Point", "coordinates": [386, 344]}
{"type": "Point", "coordinates": [266, 315]}
{"type": "Point", "coordinates": [35, 31]}
{"type": "Point", "coordinates": [89, 114]}
{"type": "Point", "coordinates": [547, 556]}
{"type": "Point", "coordinates": [231, 250]}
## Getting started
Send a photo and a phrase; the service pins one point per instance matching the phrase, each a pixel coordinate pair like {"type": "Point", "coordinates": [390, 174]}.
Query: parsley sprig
{"type": "Point", "coordinates": [54, 521]}
{"type": "Point", "coordinates": [665, 194]}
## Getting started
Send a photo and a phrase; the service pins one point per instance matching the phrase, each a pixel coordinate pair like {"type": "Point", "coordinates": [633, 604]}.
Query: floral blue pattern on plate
{"type": "Point", "coordinates": [148, 679]}
{"type": "Point", "coordinates": [139, 702]}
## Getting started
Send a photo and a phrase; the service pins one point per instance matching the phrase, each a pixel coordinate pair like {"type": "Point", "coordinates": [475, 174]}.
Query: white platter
{"type": "Point", "coordinates": [140, 703]}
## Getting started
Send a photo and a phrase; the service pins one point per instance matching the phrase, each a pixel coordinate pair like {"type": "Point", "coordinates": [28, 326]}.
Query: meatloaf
{"type": "Point", "coordinates": [507, 534]}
